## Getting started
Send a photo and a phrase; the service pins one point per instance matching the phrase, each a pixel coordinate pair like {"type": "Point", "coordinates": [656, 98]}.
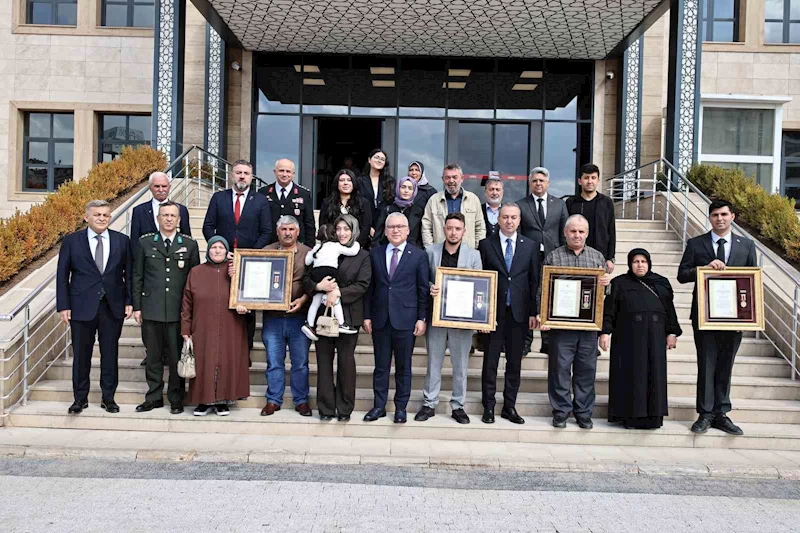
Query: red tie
{"type": "Point", "coordinates": [237, 213]}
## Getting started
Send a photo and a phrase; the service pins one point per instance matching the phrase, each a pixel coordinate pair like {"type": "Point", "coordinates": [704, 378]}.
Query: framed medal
{"type": "Point", "coordinates": [572, 298]}
{"type": "Point", "coordinates": [730, 299]}
{"type": "Point", "coordinates": [467, 299]}
{"type": "Point", "coordinates": [262, 279]}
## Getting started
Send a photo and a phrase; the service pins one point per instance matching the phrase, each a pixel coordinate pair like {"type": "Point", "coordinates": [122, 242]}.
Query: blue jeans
{"type": "Point", "coordinates": [277, 333]}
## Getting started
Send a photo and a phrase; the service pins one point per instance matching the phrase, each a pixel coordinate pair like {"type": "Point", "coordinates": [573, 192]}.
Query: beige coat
{"type": "Point", "coordinates": [436, 211]}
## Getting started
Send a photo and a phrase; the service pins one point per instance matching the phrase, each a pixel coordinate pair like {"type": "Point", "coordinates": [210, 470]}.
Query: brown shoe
{"type": "Point", "coordinates": [304, 409]}
{"type": "Point", "coordinates": [270, 409]}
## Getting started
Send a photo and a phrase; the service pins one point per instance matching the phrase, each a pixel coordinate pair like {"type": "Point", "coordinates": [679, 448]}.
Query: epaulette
{"type": "Point", "coordinates": [146, 235]}
{"type": "Point", "coordinates": [187, 236]}
{"type": "Point", "coordinates": [304, 188]}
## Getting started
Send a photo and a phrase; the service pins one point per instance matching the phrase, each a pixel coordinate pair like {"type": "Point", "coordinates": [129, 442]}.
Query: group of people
{"type": "Point", "coordinates": [381, 241]}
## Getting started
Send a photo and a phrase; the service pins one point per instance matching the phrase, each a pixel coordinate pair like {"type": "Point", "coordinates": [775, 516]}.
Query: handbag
{"type": "Point", "coordinates": [186, 366]}
{"type": "Point", "coordinates": [327, 325]}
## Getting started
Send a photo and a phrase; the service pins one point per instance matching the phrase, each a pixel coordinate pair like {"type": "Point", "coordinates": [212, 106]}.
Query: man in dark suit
{"type": "Point", "coordinates": [93, 296]}
{"type": "Point", "coordinates": [144, 219]}
{"type": "Point", "coordinates": [716, 350]}
{"type": "Point", "coordinates": [543, 220]}
{"type": "Point", "coordinates": [243, 217]}
{"type": "Point", "coordinates": [516, 261]}
{"type": "Point", "coordinates": [493, 192]}
{"type": "Point", "coordinates": [393, 315]}
{"type": "Point", "coordinates": [285, 197]}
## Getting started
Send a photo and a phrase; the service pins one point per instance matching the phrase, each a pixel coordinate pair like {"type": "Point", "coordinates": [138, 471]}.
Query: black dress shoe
{"type": "Point", "coordinates": [702, 424]}
{"type": "Point", "coordinates": [144, 362]}
{"type": "Point", "coordinates": [400, 416]}
{"type": "Point", "coordinates": [559, 422]}
{"type": "Point", "coordinates": [77, 407]}
{"type": "Point", "coordinates": [511, 415]}
{"type": "Point", "coordinates": [325, 418]}
{"type": "Point", "coordinates": [460, 416]}
{"type": "Point", "coordinates": [424, 414]}
{"type": "Point", "coordinates": [488, 416]}
{"type": "Point", "coordinates": [343, 418]}
{"type": "Point", "coordinates": [176, 408]}
{"type": "Point", "coordinates": [149, 406]}
{"type": "Point", "coordinates": [723, 423]}
{"type": "Point", "coordinates": [110, 406]}
{"type": "Point", "coordinates": [374, 414]}
{"type": "Point", "coordinates": [584, 423]}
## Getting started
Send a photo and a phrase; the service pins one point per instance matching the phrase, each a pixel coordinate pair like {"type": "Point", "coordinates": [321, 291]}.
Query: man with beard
{"type": "Point", "coordinates": [453, 199]}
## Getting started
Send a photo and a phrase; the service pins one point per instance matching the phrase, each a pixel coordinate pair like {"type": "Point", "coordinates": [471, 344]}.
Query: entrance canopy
{"type": "Point", "coordinates": [577, 29]}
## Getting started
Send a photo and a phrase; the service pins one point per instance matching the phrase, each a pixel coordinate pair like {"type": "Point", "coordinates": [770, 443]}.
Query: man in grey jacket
{"type": "Point", "coordinates": [452, 253]}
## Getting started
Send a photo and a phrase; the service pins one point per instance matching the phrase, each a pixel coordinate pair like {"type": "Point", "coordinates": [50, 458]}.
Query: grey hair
{"type": "Point", "coordinates": [289, 220]}
{"type": "Point", "coordinates": [540, 170]}
{"type": "Point", "coordinates": [396, 215]}
{"type": "Point", "coordinates": [281, 159]}
{"type": "Point", "coordinates": [579, 218]}
{"type": "Point", "coordinates": [494, 180]}
{"type": "Point", "coordinates": [352, 223]}
{"type": "Point", "coordinates": [156, 175]}
{"type": "Point", "coordinates": [509, 204]}
{"type": "Point", "coordinates": [97, 203]}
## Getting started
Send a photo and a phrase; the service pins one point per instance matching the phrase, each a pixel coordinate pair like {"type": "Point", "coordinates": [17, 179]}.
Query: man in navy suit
{"type": "Point", "coordinates": [145, 216]}
{"type": "Point", "coordinates": [93, 295]}
{"type": "Point", "coordinates": [393, 315]}
{"type": "Point", "coordinates": [716, 350]}
{"type": "Point", "coordinates": [516, 260]}
{"type": "Point", "coordinates": [242, 216]}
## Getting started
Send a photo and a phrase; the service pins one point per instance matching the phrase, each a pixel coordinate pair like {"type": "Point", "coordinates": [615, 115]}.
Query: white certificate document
{"type": "Point", "coordinates": [257, 277]}
{"type": "Point", "coordinates": [566, 298]}
{"type": "Point", "coordinates": [460, 299]}
{"type": "Point", "coordinates": [722, 298]}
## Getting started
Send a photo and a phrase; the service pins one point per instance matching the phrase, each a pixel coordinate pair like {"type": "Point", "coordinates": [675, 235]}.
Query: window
{"type": "Point", "coordinates": [128, 13]}
{"type": "Point", "coordinates": [791, 165]}
{"type": "Point", "coordinates": [720, 21]}
{"type": "Point", "coordinates": [117, 131]}
{"type": "Point", "coordinates": [782, 21]}
{"type": "Point", "coordinates": [54, 12]}
{"type": "Point", "coordinates": [47, 150]}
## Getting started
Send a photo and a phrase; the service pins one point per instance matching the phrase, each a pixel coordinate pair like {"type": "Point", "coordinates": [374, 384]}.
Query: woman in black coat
{"type": "Point", "coordinates": [377, 186]}
{"type": "Point", "coordinates": [424, 189]}
{"type": "Point", "coordinates": [344, 199]}
{"type": "Point", "coordinates": [641, 320]}
{"type": "Point", "coordinates": [404, 202]}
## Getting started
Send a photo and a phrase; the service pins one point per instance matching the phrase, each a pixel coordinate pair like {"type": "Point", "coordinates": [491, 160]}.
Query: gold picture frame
{"type": "Point", "coordinates": [731, 299]}
{"type": "Point", "coordinates": [461, 285]}
{"type": "Point", "coordinates": [581, 285]}
{"type": "Point", "coordinates": [271, 289]}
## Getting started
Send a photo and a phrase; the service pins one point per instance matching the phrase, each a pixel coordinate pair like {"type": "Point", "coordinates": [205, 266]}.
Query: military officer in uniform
{"type": "Point", "coordinates": [161, 265]}
{"type": "Point", "coordinates": [288, 198]}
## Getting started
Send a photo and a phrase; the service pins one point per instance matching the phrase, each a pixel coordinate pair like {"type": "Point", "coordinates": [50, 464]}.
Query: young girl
{"type": "Point", "coordinates": [325, 258]}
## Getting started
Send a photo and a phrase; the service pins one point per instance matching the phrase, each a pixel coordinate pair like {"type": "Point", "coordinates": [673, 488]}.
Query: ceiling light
{"type": "Point", "coordinates": [383, 83]}
{"type": "Point", "coordinates": [381, 70]}
{"type": "Point", "coordinates": [313, 81]}
{"type": "Point", "coordinates": [306, 68]}
{"type": "Point", "coordinates": [458, 72]}
{"type": "Point", "coordinates": [454, 85]}
{"type": "Point", "coordinates": [524, 87]}
{"type": "Point", "coordinates": [531, 74]}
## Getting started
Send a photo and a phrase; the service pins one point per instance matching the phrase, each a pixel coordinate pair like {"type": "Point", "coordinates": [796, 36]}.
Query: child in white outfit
{"type": "Point", "coordinates": [325, 260]}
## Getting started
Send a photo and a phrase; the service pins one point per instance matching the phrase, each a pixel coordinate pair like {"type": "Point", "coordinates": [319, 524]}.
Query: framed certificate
{"type": "Point", "coordinates": [262, 279]}
{"type": "Point", "coordinates": [572, 298]}
{"type": "Point", "coordinates": [730, 299]}
{"type": "Point", "coordinates": [467, 299]}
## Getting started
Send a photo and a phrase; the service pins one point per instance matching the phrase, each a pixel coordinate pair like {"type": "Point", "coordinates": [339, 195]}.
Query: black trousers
{"type": "Point", "coordinates": [163, 342]}
{"type": "Point", "coordinates": [339, 395]}
{"type": "Point", "coordinates": [716, 351]}
{"type": "Point", "coordinates": [400, 342]}
{"type": "Point", "coordinates": [512, 334]}
{"type": "Point", "coordinates": [108, 328]}
{"type": "Point", "coordinates": [251, 329]}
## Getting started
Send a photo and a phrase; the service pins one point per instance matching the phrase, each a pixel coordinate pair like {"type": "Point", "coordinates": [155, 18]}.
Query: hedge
{"type": "Point", "coordinates": [772, 215]}
{"type": "Point", "coordinates": [26, 236]}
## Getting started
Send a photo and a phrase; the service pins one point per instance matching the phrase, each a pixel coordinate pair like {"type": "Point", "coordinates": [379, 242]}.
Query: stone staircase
{"type": "Point", "coordinates": [766, 400]}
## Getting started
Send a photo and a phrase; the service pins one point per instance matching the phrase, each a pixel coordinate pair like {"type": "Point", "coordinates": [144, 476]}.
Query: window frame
{"type": "Point", "coordinates": [53, 12]}
{"type": "Point", "coordinates": [130, 5]}
{"type": "Point", "coordinates": [708, 21]}
{"type": "Point", "coordinates": [786, 21]}
{"type": "Point", "coordinates": [51, 142]}
{"type": "Point", "coordinates": [101, 116]}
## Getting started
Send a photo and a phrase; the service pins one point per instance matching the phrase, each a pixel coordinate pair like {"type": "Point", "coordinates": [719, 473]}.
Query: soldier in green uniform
{"type": "Point", "coordinates": [285, 197]}
{"type": "Point", "coordinates": [161, 265]}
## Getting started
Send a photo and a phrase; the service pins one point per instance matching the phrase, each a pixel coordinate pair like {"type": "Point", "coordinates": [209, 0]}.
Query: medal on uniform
{"type": "Point", "coordinates": [743, 298]}
{"type": "Point", "coordinates": [276, 280]}
{"type": "Point", "coordinates": [479, 300]}
{"type": "Point", "coordinates": [180, 263]}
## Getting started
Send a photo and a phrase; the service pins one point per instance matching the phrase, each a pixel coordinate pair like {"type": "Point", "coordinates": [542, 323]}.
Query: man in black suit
{"type": "Point", "coordinates": [93, 296]}
{"type": "Point", "coordinates": [395, 310]}
{"type": "Point", "coordinates": [145, 217]}
{"type": "Point", "coordinates": [716, 350]}
{"type": "Point", "coordinates": [543, 220]}
{"type": "Point", "coordinates": [288, 198]}
{"type": "Point", "coordinates": [516, 261]}
{"type": "Point", "coordinates": [493, 192]}
{"type": "Point", "coordinates": [242, 216]}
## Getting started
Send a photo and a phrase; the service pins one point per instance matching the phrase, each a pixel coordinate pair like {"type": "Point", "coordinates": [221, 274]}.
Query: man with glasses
{"type": "Point", "coordinates": [453, 199]}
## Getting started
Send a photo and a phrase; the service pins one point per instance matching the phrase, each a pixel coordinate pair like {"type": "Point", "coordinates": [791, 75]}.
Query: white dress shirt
{"type": "Point", "coordinates": [504, 243]}
{"type": "Point", "coordinates": [156, 204]}
{"type": "Point", "coordinates": [389, 248]}
{"type": "Point", "coordinates": [280, 189]}
{"type": "Point", "coordinates": [171, 237]}
{"type": "Point", "coordinates": [93, 245]}
{"type": "Point", "coordinates": [242, 199]}
{"type": "Point", "coordinates": [728, 237]}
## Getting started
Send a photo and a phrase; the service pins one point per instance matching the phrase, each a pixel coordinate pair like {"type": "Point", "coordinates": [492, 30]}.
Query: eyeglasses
{"type": "Point", "coordinates": [396, 227]}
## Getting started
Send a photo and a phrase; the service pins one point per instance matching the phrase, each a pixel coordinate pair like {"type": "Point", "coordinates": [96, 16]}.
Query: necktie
{"type": "Point", "coordinates": [721, 250]}
{"type": "Point", "coordinates": [237, 209]}
{"type": "Point", "coordinates": [540, 211]}
{"type": "Point", "coordinates": [393, 263]}
{"type": "Point", "coordinates": [167, 244]}
{"type": "Point", "coordinates": [98, 254]}
{"type": "Point", "coordinates": [509, 259]}
{"type": "Point", "coordinates": [283, 195]}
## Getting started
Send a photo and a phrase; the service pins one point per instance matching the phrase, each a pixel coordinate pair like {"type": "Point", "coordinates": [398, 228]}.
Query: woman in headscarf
{"type": "Point", "coordinates": [405, 194]}
{"type": "Point", "coordinates": [641, 321]}
{"type": "Point", "coordinates": [219, 335]}
{"type": "Point", "coordinates": [424, 189]}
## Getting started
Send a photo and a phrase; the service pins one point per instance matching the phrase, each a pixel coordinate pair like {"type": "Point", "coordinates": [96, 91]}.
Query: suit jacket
{"type": "Point", "coordinates": [523, 279]}
{"type": "Point", "coordinates": [392, 302]}
{"type": "Point", "coordinates": [297, 204]}
{"type": "Point", "coordinates": [491, 229]}
{"type": "Point", "coordinates": [354, 276]}
{"type": "Point", "coordinates": [700, 252]}
{"type": "Point", "coordinates": [142, 222]}
{"type": "Point", "coordinates": [254, 228]}
{"type": "Point", "coordinates": [79, 283]}
{"type": "Point", "coordinates": [552, 234]}
{"type": "Point", "coordinates": [366, 191]}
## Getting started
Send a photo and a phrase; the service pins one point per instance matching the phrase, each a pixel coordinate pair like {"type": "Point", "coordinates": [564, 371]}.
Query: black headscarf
{"type": "Point", "coordinates": [659, 284]}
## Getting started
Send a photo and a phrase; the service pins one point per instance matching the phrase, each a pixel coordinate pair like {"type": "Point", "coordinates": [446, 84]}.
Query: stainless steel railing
{"type": "Point", "coordinates": [658, 191]}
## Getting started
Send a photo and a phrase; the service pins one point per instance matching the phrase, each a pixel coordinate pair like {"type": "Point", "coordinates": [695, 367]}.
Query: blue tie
{"type": "Point", "coordinates": [509, 259]}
